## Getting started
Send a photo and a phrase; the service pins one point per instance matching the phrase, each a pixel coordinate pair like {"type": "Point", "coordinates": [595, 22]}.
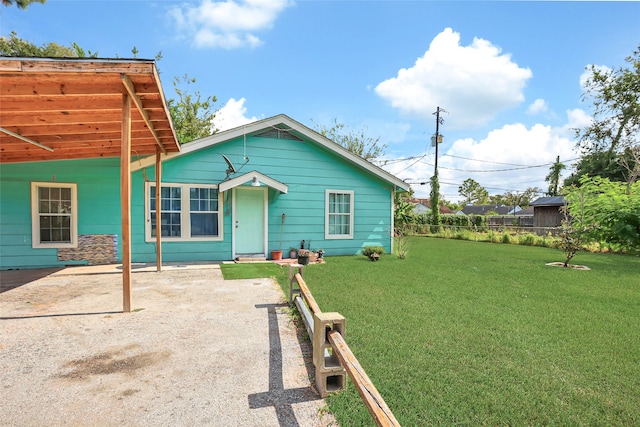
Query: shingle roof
{"type": "Point", "coordinates": [548, 201]}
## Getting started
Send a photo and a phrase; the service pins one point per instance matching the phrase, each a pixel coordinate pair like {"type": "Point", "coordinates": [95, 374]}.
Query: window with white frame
{"type": "Point", "coordinates": [187, 212]}
{"type": "Point", "coordinates": [338, 214]}
{"type": "Point", "coordinates": [54, 215]}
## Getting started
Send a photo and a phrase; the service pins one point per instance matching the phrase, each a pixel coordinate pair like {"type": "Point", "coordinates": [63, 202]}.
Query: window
{"type": "Point", "coordinates": [338, 214]}
{"type": "Point", "coordinates": [54, 210]}
{"type": "Point", "coordinates": [187, 212]}
{"type": "Point", "coordinates": [204, 211]}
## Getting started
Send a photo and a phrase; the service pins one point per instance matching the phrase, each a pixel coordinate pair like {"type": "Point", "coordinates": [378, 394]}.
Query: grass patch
{"type": "Point", "coordinates": [474, 333]}
{"type": "Point", "coordinates": [251, 270]}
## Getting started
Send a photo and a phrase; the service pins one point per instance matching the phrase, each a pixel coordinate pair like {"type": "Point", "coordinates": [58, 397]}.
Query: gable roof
{"type": "Point", "coordinates": [548, 201]}
{"type": "Point", "coordinates": [279, 123]}
{"type": "Point", "coordinates": [260, 178]}
{"type": "Point", "coordinates": [64, 108]}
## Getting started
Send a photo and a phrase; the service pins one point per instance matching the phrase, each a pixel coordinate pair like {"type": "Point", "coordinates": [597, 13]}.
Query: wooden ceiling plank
{"type": "Point", "coordinates": [128, 84]}
{"type": "Point", "coordinates": [67, 118]}
{"type": "Point", "coordinates": [66, 104]}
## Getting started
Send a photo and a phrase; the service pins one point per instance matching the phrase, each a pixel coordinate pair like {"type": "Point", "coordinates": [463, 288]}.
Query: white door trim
{"type": "Point", "coordinates": [265, 225]}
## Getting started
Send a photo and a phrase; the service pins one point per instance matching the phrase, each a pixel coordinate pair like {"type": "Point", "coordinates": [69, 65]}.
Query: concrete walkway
{"type": "Point", "coordinates": [196, 350]}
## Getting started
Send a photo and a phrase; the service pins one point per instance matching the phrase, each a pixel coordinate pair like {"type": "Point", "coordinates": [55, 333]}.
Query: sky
{"type": "Point", "coordinates": [507, 74]}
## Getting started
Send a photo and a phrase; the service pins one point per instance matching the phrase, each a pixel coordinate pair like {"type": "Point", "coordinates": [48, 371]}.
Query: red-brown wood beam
{"type": "Point", "coordinates": [125, 201]}
{"type": "Point", "coordinates": [158, 211]}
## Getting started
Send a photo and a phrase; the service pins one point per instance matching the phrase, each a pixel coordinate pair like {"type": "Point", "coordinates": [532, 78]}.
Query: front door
{"type": "Point", "coordinates": [249, 221]}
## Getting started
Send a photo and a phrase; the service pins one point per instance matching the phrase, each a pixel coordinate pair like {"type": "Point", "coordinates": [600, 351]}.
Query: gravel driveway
{"type": "Point", "coordinates": [196, 351]}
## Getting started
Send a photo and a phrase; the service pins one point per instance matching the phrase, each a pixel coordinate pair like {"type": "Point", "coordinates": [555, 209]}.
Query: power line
{"type": "Point", "coordinates": [517, 167]}
{"type": "Point", "coordinates": [492, 170]}
{"type": "Point", "coordinates": [501, 163]}
{"type": "Point", "coordinates": [459, 184]}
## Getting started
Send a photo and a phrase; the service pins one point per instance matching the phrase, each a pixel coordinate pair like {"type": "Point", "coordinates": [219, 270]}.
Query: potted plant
{"type": "Point", "coordinates": [293, 252]}
{"type": "Point", "coordinates": [303, 256]}
{"type": "Point", "coordinates": [276, 254]}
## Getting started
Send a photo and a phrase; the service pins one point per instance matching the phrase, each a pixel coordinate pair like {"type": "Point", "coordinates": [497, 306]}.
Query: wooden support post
{"type": "Point", "coordinates": [158, 211]}
{"type": "Point", "coordinates": [292, 279]}
{"type": "Point", "coordinates": [125, 201]}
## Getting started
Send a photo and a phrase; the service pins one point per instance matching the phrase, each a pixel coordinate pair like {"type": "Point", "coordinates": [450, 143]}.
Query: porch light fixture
{"type": "Point", "coordinates": [255, 182]}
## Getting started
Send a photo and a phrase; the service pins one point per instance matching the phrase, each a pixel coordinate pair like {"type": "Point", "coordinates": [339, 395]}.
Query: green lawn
{"type": "Point", "coordinates": [251, 270]}
{"type": "Point", "coordinates": [468, 333]}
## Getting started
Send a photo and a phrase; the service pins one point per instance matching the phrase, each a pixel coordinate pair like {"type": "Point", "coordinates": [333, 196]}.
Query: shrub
{"type": "Point", "coordinates": [370, 250]}
{"type": "Point", "coordinates": [528, 239]}
{"type": "Point", "coordinates": [506, 238]}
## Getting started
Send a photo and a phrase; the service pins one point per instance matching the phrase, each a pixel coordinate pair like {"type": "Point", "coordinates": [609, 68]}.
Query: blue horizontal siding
{"type": "Point", "coordinates": [308, 170]}
{"type": "Point", "coordinates": [305, 167]}
{"type": "Point", "coordinates": [98, 206]}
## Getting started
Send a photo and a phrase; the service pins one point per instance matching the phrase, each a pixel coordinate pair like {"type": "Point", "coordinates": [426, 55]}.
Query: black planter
{"type": "Point", "coordinates": [303, 260]}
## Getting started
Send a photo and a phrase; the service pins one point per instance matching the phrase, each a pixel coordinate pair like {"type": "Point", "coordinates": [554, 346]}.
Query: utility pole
{"type": "Point", "coordinates": [435, 184]}
{"type": "Point", "coordinates": [437, 139]}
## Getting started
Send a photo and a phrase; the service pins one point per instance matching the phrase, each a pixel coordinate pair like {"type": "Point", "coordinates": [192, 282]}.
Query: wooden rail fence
{"type": "Point", "coordinates": [332, 357]}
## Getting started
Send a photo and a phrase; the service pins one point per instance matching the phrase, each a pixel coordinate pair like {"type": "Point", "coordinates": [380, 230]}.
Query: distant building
{"type": "Point", "coordinates": [547, 211]}
{"type": "Point", "coordinates": [424, 205]}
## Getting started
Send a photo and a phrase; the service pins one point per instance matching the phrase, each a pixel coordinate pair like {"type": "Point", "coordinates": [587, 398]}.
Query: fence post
{"type": "Point", "coordinates": [292, 280]}
{"type": "Point", "coordinates": [330, 375]}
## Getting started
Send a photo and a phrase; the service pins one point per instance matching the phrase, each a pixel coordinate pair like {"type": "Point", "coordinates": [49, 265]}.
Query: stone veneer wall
{"type": "Point", "coordinates": [97, 249]}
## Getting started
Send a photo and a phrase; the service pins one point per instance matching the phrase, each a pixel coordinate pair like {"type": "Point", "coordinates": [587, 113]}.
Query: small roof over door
{"type": "Point", "coordinates": [247, 177]}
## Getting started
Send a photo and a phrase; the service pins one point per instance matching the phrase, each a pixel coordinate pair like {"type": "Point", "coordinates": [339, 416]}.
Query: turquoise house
{"type": "Point", "coordinates": [244, 192]}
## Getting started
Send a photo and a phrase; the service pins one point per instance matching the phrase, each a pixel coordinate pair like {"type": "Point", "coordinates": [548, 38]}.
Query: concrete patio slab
{"type": "Point", "coordinates": [196, 350]}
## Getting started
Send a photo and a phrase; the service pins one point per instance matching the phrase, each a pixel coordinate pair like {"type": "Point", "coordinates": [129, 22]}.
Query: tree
{"type": "Point", "coordinates": [630, 160]}
{"type": "Point", "coordinates": [435, 203]}
{"type": "Point", "coordinates": [473, 192]}
{"type": "Point", "coordinates": [192, 116]}
{"type": "Point", "coordinates": [606, 211]}
{"type": "Point", "coordinates": [554, 177]}
{"type": "Point", "coordinates": [615, 95]}
{"type": "Point", "coordinates": [16, 47]}
{"type": "Point", "coordinates": [355, 141]}
{"type": "Point", "coordinates": [573, 230]}
{"type": "Point", "coordinates": [402, 210]}
{"type": "Point", "coordinates": [516, 198]}
{"type": "Point", "coordinates": [618, 167]}
{"type": "Point", "coordinates": [22, 4]}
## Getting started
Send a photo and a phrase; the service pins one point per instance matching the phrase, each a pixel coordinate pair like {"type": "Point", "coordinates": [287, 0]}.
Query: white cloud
{"type": "Point", "coordinates": [474, 83]}
{"type": "Point", "coordinates": [227, 24]}
{"type": "Point", "coordinates": [232, 115]}
{"type": "Point", "coordinates": [578, 118]}
{"type": "Point", "coordinates": [502, 161]}
{"type": "Point", "coordinates": [538, 106]}
{"type": "Point", "coordinates": [586, 75]}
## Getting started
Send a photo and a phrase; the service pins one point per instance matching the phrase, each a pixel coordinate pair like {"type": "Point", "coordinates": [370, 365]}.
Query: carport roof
{"type": "Point", "coordinates": [68, 108]}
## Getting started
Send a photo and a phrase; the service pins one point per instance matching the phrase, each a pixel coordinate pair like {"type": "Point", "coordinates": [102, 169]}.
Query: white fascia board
{"type": "Point", "coordinates": [274, 121]}
{"type": "Point", "coordinates": [242, 179]}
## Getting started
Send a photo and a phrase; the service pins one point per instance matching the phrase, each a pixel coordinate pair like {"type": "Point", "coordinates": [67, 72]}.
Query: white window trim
{"type": "Point", "coordinates": [35, 217]}
{"type": "Point", "coordinates": [328, 236]}
{"type": "Point", "coordinates": [185, 217]}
